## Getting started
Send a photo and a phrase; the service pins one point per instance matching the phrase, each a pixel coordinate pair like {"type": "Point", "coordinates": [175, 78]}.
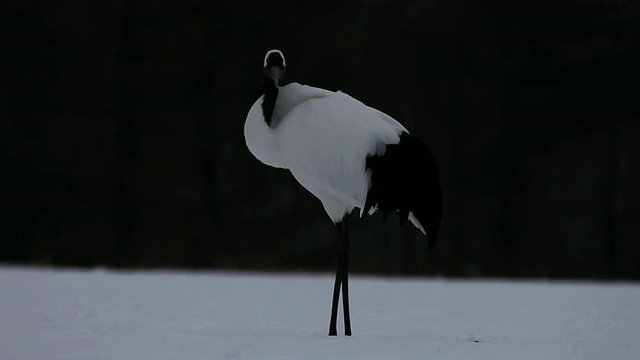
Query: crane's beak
{"type": "Point", "coordinates": [275, 73]}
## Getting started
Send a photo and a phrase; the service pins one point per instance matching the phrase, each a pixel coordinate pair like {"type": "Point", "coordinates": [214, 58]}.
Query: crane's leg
{"type": "Point", "coordinates": [341, 282]}
{"type": "Point", "coordinates": [336, 298]}
{"type": "Point", "coordinates": [344, 259]}
{"type": "Point", "coordinates": [336, 285]}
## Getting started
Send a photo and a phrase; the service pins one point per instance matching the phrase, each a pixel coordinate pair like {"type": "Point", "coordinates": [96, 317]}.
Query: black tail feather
{"type": "Point", "coordinates": [406, 179]}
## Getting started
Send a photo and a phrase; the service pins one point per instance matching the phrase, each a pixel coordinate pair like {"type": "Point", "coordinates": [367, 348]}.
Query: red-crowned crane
{"type": "Point", "coordinates": [348, 155]}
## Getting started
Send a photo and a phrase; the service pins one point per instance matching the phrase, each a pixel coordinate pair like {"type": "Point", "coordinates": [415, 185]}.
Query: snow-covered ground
{"type": "Point", "coordinates": [46, 314]}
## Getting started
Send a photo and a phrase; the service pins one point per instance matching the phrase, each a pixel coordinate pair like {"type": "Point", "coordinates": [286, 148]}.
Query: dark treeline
{"type": "Point", "coordinates": [121, 133]}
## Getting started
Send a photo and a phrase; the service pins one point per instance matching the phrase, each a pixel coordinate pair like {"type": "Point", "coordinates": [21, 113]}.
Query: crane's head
{"type": "Point", "coordinates": [274, 65]}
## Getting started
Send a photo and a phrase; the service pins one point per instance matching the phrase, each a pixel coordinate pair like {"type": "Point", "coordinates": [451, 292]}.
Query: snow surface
{"type": "Point", "coordinates": [47, 314]}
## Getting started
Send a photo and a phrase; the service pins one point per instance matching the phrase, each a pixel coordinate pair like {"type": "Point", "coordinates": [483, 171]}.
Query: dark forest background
{"type": "Point", "coordinates": [121, 133]}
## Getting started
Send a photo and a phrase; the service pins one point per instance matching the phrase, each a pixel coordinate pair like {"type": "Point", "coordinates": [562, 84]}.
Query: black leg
{"type": "Point", "coordinates": [334, 305]}
{"type": "Point", "coordinates": [342, 280]}
{"type": "Point", "coordinates": [344, 265]}
{"type": "Point", "coordinates": [345, 292]}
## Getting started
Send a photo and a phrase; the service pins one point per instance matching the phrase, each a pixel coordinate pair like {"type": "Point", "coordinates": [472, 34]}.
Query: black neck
{"type": "Point", "coordinates": [270, 91]}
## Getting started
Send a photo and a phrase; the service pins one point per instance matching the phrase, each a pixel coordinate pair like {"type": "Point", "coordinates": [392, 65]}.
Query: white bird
{"type": "Point", "coordinates": [348, 155]}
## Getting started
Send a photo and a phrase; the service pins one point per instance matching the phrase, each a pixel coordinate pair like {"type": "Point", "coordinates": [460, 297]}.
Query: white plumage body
{"type": "Point", "coordinates": [324, 139]}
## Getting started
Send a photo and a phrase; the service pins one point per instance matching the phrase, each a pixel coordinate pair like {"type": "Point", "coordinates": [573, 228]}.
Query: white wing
{"type": "Point", "coordinates": [325, 141]}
